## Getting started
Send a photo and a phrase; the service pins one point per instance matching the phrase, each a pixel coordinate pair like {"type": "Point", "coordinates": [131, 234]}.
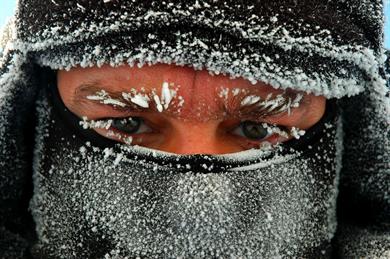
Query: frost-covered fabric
{"type": "Point", "coordinates": [333, 48]}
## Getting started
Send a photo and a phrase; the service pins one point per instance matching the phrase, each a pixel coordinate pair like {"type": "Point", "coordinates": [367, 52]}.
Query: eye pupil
{"type": "Point", "coordinates": [127, 125]}
{"type": "Point", "coordinates": [253, 130]}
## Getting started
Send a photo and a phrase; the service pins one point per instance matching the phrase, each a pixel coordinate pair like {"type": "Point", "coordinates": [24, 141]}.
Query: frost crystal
{"type": "Point", "coordinates": [297, 133]}
{"type": "Point", "coordinates": [99, 124]}
{"type": "Point", "coordinates": [166, 95]}
{"type": "Point", "coordinates": [249, 100]}
{"type": "Point", "coordinates": [141, 100]}
{"type": "Point", "coordinates": [279, 104]}
{"type": "Point", "coordinates": [105, 98]}
{"type": "Point", "coordinates": [158, 103]}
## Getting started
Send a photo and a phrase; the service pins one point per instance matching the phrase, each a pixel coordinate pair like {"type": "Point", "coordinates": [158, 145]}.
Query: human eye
{"type": "Point", "coordinates": [130, 125]}
{"type": "Point", "coordinates": [130, 130]}
{"type": "Point", "coordinates": [260, 131]}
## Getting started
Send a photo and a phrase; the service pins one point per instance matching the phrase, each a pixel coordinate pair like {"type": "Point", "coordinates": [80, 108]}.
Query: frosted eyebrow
{"type": "Point", "coordinates": [134, 99]}
{"type": "Point", "coordinates": [84, 92]}
{"type": "Point", "coordinates": [272, 105]}
{"type": "Point", "coordinates": [89, 89]}
{"type": "Point", "coordinates": [255, 107]}
{"type": "Point", "coordinates": [237, 106]}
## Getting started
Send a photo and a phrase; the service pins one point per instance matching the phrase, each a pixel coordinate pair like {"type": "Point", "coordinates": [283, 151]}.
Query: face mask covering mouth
{"type": "Point", "coordinates": [95, 198]}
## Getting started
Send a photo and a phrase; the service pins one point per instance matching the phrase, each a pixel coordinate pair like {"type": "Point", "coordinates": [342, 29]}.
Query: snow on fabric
{"type": "Point", "coordinates": [162, 208]}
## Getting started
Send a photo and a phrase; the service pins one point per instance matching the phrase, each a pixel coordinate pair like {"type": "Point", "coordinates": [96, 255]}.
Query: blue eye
{"type": "Point", "coordinates": [253, 130]}
{"type": "Point", "coordinates": [131, 125]}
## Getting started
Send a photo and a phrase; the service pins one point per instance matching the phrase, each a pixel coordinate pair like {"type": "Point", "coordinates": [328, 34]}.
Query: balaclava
{"type": "Point", "coordinates": [93, 198]}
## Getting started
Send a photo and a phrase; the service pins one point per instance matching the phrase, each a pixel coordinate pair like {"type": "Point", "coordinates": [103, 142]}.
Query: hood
{"type": "Point", "coordinates": [333, 48]}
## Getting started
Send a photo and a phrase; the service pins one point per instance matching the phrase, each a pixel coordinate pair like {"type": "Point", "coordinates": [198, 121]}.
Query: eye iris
{"type": "Point", "coordinates": [254, 131]}
{"type": "Point", "coordinates": [128, 125]}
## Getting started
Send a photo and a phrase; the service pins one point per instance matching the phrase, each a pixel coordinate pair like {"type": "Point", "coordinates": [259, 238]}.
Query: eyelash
{"type": "Point", "coordinates": [273, 131]}
{"type": "Point", "coordinates": [107, 124]}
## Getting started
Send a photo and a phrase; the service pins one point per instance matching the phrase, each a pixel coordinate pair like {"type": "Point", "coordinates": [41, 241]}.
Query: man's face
{"type": "Point", "coordinates": [180, 110]}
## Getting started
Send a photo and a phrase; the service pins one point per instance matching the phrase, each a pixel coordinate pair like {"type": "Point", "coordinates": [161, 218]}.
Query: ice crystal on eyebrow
{"type": "Point", "coordinates": [105, 98]}
{"type": "Point", "coordinates": [166, 95]}
{"type": "Point", "coordinates": [297, 100]}
{"type": "Point", "coordinates": [158, 103]}
{"type": "Point", "coordinates": [100, 96]}
{"type": "Point", "coordinates": [249, 100]}
{"type": "Point", "coordinates": [141, 100]}
{"type": "Point", "coordinates": [164, 100]}
{"type": "Point", "coordinates": [271, 104]}
{"type": "Point", "coordinates": [295, 103]}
